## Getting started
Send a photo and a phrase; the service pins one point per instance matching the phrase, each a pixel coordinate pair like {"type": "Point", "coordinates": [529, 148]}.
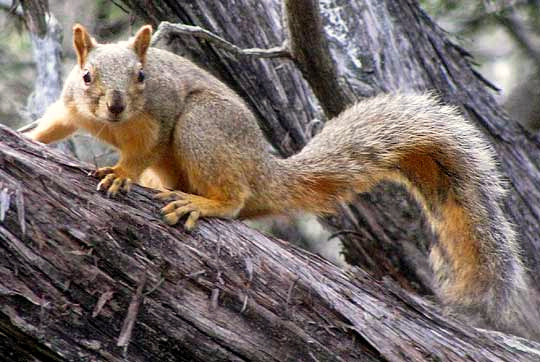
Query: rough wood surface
{"type": "Point", "coordinates": [71, 261]}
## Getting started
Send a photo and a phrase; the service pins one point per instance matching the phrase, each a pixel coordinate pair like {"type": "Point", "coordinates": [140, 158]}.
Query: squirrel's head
{"type": "Point", "coordinates": [111, 76]}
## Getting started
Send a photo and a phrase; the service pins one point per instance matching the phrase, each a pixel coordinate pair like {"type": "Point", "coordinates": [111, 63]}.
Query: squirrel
{"type": "Point", "coordinates": [167, 116]}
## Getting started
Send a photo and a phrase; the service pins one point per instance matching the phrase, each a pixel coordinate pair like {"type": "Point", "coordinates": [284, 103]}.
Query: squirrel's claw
{"type": "Point", "coordinates": [192, 220]}
{"type": "Point", "coordinates": [173, 212]}
{"type": "Point", "coordinates": [195, 206]}
{"type": "Point", "coordinates": [185, 204]}
{"type": "Point", "coordinates": [101, 172]}
{"type": "Point", "coordinates": [112, 182]}
{"type": "Point", "coordinates": [172, 217]}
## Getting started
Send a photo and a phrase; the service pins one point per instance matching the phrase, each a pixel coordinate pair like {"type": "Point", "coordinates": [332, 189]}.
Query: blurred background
{"type": "Point", "coordinates": [502, 36]}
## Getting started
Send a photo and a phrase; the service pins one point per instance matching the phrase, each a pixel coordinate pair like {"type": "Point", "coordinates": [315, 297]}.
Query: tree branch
{"type": "Point", "coordinates": [167, 29]}
{"type": "Point", "coordinates": [310, 50]}
{"type": "Point", "coordinates": [225, 292]}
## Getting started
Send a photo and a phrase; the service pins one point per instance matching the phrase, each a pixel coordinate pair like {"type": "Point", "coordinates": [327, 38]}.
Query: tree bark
{"type": "Point", "coordinates": [84, 278]}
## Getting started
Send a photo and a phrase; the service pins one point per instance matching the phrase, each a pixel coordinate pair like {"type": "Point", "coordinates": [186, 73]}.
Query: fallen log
{"type": "Point", "coordinates": [84, 277]}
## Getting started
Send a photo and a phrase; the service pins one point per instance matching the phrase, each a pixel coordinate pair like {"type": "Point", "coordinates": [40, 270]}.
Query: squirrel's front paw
{"type": "Point", "coordinates": [113, 180]}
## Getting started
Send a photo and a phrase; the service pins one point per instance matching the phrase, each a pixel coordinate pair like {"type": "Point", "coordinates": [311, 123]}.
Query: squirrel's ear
{"type": "Point", "coordinates": [83, 43]}
{"type": "Point", "coordinates": [141, 42]}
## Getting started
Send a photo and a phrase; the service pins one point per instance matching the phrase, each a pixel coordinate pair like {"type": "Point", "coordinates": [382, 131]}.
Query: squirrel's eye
{"type": "Point", "coordinates": [140, 77]}
{"type": "Point", "coordinates": [86, 77]}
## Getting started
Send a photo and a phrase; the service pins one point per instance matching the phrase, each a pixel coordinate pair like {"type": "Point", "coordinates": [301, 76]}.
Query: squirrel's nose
{"type": "Point", "coordinates": [116, 105]}
{"type": "Point", "coordinates": [115, 108]}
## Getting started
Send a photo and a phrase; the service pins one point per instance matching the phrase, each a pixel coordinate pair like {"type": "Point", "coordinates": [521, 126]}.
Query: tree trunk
{"type": "Point", "coordinates": [84, 278]}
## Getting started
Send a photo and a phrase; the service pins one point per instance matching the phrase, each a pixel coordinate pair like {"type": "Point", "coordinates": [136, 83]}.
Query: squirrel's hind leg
{"type": "Point", "coordinates": [194, 207]}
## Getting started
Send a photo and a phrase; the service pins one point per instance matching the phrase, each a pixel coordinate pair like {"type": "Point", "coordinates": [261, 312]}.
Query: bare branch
{"type": "Point", "coordinates": [167, 29]}
{"type": "Point", "coordinates": [212, 295]}
{"type": "Point", "coordinates": [28, 127]}
{"type": "Point", "coordinates": [310, 50]}
{"type": "Point", "coordinates": [133, 310]}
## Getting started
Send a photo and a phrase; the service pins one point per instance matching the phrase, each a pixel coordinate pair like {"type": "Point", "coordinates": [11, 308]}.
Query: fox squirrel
{"type": "Point", "coordinates": [167, 116]}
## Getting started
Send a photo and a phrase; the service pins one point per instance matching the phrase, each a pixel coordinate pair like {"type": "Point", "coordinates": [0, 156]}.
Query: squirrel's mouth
{"type": "Point", "coordinates": [108, 117]}
{"type": "Point", "coordinates": [113, 118]}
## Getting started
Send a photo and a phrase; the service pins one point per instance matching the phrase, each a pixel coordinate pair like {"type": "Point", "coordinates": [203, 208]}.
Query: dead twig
{"type": "Point", "coordinates": [103, 299]}
{"type": "Point", "coordinates": [133, 309]}
{"type": "Point", "coordinates": [166, 29]}
{"type": "Point", "coordinates": [30, 126]}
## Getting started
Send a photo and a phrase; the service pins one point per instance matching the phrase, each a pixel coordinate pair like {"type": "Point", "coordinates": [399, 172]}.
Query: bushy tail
{"type": "Point", "coordinates": [446, 163]}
